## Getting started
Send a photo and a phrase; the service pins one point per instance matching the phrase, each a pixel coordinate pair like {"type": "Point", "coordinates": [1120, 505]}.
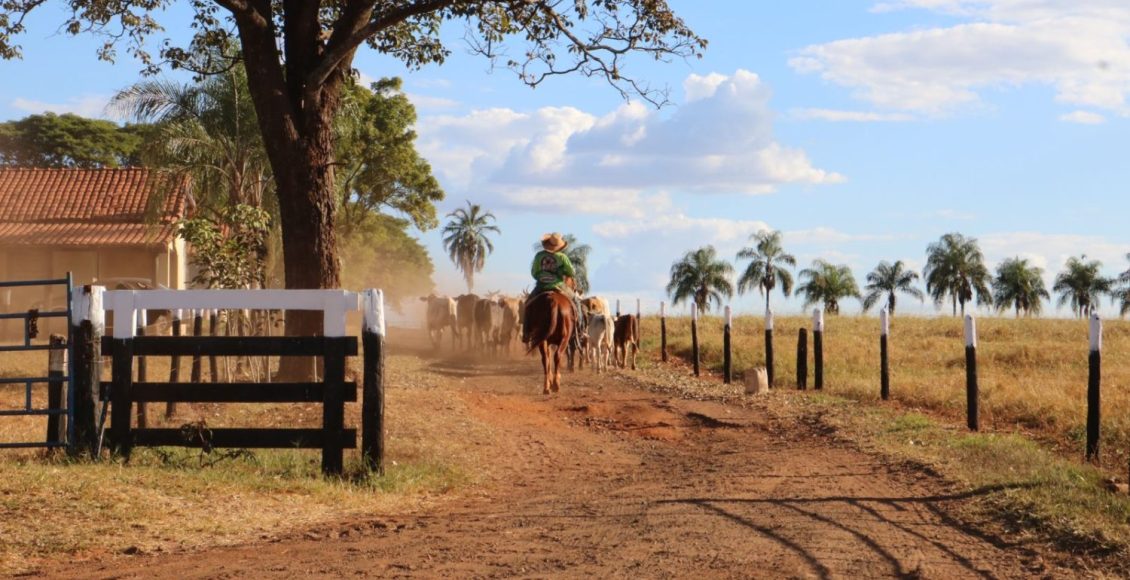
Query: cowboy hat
{"type": "Point", "coordinates": [553, 242]}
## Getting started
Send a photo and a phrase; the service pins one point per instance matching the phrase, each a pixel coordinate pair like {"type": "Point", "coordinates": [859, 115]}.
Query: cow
{"type": "Point", "coordinates": [600, 341]}
{"type": "Point", "coordinates": [595, 305]}
{"type": "Point", "coordinates": [488, 323]}
{"type": "Point", "coordinates": [440, 315]}
{"type": "Point", "coordinates": [627, 336]}
{"type": "Point", "coordinates": [511, 321]}
{"type": "Point", "coordinates": [465, 318]}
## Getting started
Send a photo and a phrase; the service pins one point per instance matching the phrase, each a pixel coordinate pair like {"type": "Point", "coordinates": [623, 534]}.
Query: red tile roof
{"type": "Point", "coordinates": [90, 207]}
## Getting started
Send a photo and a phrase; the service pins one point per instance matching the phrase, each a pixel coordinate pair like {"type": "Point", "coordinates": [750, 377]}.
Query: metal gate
{"type": "Point", "coordinates": [59, 401]}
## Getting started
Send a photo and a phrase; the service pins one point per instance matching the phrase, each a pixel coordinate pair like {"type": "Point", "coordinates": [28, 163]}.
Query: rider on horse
{"type": "Point", "coordinates": [551, 269]}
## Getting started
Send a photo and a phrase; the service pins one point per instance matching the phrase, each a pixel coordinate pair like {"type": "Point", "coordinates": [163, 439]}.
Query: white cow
{"type": "Point", "coordinates": [600, 342]}
{"type": "Point", "coordinates": [440, 315]}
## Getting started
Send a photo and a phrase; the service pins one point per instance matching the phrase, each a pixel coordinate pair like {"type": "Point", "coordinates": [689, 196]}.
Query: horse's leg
{"type": "Point", "coordinates": [635, 349]}
{"type": "Point", "coordinates": [544, 349]}
{"type": "Point", "coordinates": [557, 369]}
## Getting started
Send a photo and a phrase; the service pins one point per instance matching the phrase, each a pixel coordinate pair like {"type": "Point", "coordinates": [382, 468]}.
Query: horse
{"type": "Point", "coordinates": [552, 319]}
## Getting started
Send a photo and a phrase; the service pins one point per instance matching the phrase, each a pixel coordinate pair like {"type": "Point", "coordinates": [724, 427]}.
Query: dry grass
{"type": "Point", "coordinates": [1032, 373]}
{"type": "Point", "coordinates": [167, 499]}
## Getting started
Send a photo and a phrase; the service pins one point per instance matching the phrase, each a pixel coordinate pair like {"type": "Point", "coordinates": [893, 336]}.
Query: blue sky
{"type": "Point", "coordinates": [863, 130]}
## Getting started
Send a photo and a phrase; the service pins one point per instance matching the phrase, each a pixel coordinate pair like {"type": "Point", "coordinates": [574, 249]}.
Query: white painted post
{"type": "Point", "coordinates": [727, 353]}
{"type": "Point", "coordinates": [971, 395]}
{"type": "Point", "coordinates": [694, 337]}
{"type": "Point", "coordinates": [373, 392]}
{"type": "Point", "coordinates": [1094, 385]}
{"type": "Point", "coordinates": [818, 348]}
{"type": "Point", "coordinates": [884, 360]}
{"type": "Point", "coordinates": [769, 347]}
{"type": "Point", "coordinates": [121, 303]}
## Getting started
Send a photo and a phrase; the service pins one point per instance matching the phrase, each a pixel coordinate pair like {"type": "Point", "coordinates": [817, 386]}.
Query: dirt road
{"type": "Point", "coordinates": [607, 480]}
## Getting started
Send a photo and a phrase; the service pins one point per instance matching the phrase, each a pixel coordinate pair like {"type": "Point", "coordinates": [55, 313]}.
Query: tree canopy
{"type": "Point", "coordinates": [1081, 285]}
{"type": "Point", "coordinates": [955, 267]}
{"type": "Point", "coordinates": [890, 279]}
{"type": "Point", "coordinates": [767, 266]}
{"type": "Point", "coordinates": [827, 283]}
{"type": "Point", "coordinates": [68, 141]}
{"type": "Point", "coordinates": [467, 241]}
{"type": "Point", "coordinates": [299, 59]}
{"type": "Point", "coordinates": [701, 277]}
{"type": "Point", "coordinates": [1019, 285]}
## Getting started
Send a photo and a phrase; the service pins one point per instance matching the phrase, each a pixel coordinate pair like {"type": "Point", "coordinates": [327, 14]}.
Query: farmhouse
{"type": "Point", "coordinates": [100, 224]}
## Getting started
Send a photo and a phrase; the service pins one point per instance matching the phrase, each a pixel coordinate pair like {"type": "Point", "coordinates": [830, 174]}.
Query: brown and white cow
{"type": "Point", "coordinates": [596, 305]}
{"type": "Point", "coordinates": [600, 342]}
{"type": "Point", "coordinates": [627, 336]}
{"type": "Point", "coordinates": [465, 318]}
{"type": "Point", "coordinates": [440, 315]}
{"type": "Point", "coordinates": [511, 322]}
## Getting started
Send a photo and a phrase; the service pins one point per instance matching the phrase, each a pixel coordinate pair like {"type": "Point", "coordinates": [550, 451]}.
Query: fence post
{"type": "Point", "coordinates": [89, 324]}
{"type": "Point", "coordinates": [884, 361]}
{"type": "Point", "coordinates": [174, 364]}
{"type": "Point", "coordinates": [971, 373]}
{"type": "Point", "coordinates": [769, 346]}
{"type": "Point", "coordinates": [802, 359]}
{"type": "Point", "coordinates": [727, 355]}
{"type": "Point", "coordinates": [1094, 377]}
{"type": "Point", "coordinates": [617, 308]}
{"type": "Point", "coordinates": [662, 332]}
{"type": "Point", "coordinates": [639, 323]}
{"type": "Point", "coordinates": [197, 331]}
{"type": "Point", "coordinates": [213, 330]}
{"type": "Point", "coordinates": [818, 348]}
{"type": "Point", "coordinates": [142, 371]}
{"type": "Point", "coordinates": [56, 370]}
{"type": "Point", "coordinates": [373, 395]}
{"type": "Point", "coordinates": [694, 337]}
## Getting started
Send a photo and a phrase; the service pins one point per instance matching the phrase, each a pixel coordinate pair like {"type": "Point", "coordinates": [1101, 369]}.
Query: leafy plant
{"type": "Point", "coordinates": [230, 249]}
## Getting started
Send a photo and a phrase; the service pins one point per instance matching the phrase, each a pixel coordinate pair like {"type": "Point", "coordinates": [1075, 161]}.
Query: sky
{"type": "Point", "coordinates": [861, 129]}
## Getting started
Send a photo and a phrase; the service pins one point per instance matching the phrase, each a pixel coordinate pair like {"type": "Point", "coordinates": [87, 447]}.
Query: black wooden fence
{"type": "Point", "coordinates": [333, 392]}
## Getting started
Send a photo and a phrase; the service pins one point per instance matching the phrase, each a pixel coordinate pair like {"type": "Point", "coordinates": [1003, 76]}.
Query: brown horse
{"type": "Point", "coordinates": [552, 319]}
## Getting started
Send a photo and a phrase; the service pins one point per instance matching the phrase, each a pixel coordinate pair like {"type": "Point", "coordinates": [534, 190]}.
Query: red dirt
{"type": "Point", "coordinates": [606, 480]}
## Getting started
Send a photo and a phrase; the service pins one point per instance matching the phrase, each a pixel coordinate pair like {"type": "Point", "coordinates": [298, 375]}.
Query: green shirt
{"type": "Point", "coordinates": [550, 269]}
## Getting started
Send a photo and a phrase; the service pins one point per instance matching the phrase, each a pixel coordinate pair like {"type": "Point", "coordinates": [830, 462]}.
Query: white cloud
{"type": "Point", "coordinates": [1077, 47]}
{"type": "Point", "coordinates": [86, 106]}
{"type": "Point", "coordinates": [1050, 251]}
{"type": "Point", "coordinates": [427, 102]}
{"type": "Point", "coordinates": [1083, 118]}
{"type": "Point", "coordinates": [720, 140]}
{"type": "Point", "coordinates": [836, 116]}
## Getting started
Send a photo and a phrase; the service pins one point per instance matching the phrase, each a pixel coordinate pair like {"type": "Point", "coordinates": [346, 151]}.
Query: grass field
{"type": "Point", "coordinates": [1032, 372]}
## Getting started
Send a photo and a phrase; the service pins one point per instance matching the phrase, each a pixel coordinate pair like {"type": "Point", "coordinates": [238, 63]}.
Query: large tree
{"type": "Point", "coordinates": [827, 283]}
{"type": "Point", "coordinates": [701, 277]}
{"type": "Point", "coordinates": [299, 59]}
{"type": "Point", "coordinates": [767, 266]}
{"type": "Point", "coordinates": [1081, 285]}
{"type": "Point", "coordinates": [67, 141]}
{"type": "Point", "coordinates": [955, 267]}
{"type": "Point", "coordinates": [888, 280]}
{"type": "Point", "coordinates": [1019, 285]}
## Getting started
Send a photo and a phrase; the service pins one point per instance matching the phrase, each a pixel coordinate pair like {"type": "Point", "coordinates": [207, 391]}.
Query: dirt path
{"type": "Point", "coordinates": [609, 481]}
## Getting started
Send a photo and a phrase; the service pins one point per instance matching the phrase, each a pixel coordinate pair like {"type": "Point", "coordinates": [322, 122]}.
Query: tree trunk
{"type": "Point", "coordinates": [891, 304]}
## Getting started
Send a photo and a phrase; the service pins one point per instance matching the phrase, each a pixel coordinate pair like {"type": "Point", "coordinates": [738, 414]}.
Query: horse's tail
{"type": "Point", "coordinates": [541, 335]}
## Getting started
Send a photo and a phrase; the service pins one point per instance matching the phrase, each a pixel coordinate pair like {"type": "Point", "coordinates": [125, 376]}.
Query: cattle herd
{"type": "Point", "coordinates": [493, 324]}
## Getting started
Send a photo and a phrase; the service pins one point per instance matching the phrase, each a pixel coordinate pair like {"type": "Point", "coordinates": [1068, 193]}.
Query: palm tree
{"type": "Point", "coordinates": [208, 129]}
{"type": "Point", "coordinates": [1081, 285]}
{"type": "Point", "coordinates": [465, 239]}
{"type": "Point", "coordinates": [1122, 293]}
{"type": "Point", "coordinates": [890, 279]}
{"type": "Point", "coordinates": [828, 283]}
{"type": "Point", "coordinates": [578, 254]}
{"type": "Point", "coordinates": [767, 267]}
{"type": "Point", "coordinates": [956, 268]}
{"type": "Point", "coordinates": [1020, 286]}
{"type": "Point", "coordinates": [701, 277]}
